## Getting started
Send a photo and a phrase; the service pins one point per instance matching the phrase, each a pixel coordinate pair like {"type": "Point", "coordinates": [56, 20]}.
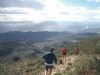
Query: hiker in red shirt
{"type": "Point", "coordinates": [64, 53]}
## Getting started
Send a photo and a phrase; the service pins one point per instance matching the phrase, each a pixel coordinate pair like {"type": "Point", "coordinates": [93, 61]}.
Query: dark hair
{"type": "Point", "coordinates": [16, 58]}
{"type": "Point", "coordinates": [52, 49]}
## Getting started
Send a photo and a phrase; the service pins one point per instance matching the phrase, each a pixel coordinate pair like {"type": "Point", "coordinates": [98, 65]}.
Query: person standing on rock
{"type": "Point", "coordinates": [49, 58]}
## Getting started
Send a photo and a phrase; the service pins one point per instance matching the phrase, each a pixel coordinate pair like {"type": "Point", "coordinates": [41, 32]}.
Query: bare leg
{"type": "Point", "coordinates": [50, 72]}
{"type": "Point", "coordinates": [46, 72]}
{"type": "Point", "coordinates": [64, 59]}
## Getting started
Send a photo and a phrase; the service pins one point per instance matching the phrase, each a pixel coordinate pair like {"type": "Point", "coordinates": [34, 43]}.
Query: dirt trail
{"type": "Point", "coordinates": [60, 68]}
{"type": "Point", "coordinates": [69, 60]}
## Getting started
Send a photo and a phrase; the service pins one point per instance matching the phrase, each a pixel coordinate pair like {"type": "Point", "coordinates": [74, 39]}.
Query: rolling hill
{"type": "Point", "coordinates": [32, 44]}
{"type": "Point", "coordinates": [86, 63]}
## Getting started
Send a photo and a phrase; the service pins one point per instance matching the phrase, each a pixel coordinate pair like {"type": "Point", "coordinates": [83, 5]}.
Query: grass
{"type": "Point", "coordinates": [84, 65]}
{"type": "Point", "coordinates": [87, 62]}
{"type": "Point", "coordinates": [27, 67]}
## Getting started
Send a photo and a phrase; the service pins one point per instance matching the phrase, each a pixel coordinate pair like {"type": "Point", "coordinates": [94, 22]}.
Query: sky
{"type": "Point", "coordinates": [20, 13]}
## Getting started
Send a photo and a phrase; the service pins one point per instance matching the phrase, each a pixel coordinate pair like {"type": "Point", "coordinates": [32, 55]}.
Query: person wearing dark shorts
{"type": "Point", "coordinates": [64, 53]}
{"type": "Point", "coordinates": [49, 67]}
{"type": "Point", "coordinates": [49, 58]}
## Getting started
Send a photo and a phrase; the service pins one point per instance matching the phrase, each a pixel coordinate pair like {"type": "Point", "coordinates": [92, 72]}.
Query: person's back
{"type": "Point", "coordinates": [64, 51]}
{"type": "Point", "coordinates": [49, 58]}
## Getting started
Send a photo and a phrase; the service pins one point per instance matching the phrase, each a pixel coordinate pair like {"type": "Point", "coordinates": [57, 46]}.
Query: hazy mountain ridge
{"type": "Point", "coordinates": [32, 44]}
{"type": "Point", "coordinates": [95, 30]}
{"type": "Point", "coordinates": [30, 36]}
{"type": "Point", "coordinates": [41, 36]}
{"type": "Point", "coordinates": [47, 26]}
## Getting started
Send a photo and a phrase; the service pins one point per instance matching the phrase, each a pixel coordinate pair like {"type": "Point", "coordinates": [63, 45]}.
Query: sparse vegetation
{"type": "Point", "coordinates": [87, 63]}
{"type": "Point", "coordinates": [26, 67]}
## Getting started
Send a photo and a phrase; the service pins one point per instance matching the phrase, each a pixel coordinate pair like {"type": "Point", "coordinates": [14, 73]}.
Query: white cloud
{"type": "Point", "coordinates": [97, 1]}
{"type": "Point", "coordinates": [52, 10]}
{"type": "Point", "coordinates": [27, 14]}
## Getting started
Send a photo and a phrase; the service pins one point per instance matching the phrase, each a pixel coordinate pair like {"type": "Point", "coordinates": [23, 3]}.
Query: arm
{"type": "Point", "coordinates": [43, 56]}
{"type": "Point", "coordinates": [55, 59]}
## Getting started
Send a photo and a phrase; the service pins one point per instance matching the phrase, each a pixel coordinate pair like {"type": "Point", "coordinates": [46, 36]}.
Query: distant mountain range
{"type": "Point", "coordinates": [31, 36]}
{"type": "Point", "coordinates": [44, 35]}
{"type": "Point", "coordinates": [93, 30]}
{"type": "Point", "coordinates": [16, 44]}
{"type": "Point", "coordinates": [47, 26]}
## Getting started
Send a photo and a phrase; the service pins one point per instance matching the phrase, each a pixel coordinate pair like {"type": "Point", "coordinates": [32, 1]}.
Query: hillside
{"type": "Point", "coordinates": [24, 45]}
{"type": "Point", "coordinates": [90, 46]}
{"type": "Point", "coordinates": [33, 36]}
{"type": "Point", "coordinates": [81, 65]}
{"type": "Point", "coordinates": [42, 36]}
{"type": "Point", "coordinates": [88, 60]}
{"type": "Point", "coordinates": [86, 63]}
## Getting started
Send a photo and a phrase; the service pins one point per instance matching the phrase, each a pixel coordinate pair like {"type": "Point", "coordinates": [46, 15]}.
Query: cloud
{"type": "Point", "coordinates": [96, 1]}
{"type": "Point", "coordinates": [45, 15]}
{"type": "Point", "coordinates": [29, 26]}
{"type": "Point", "coordinates": [11, 10]}
{"type": "Point", "coordinates": [82, 14]}
{"type": "Point", "coordinates": [53, 10]}
{"type": "Point", "coordinates": [21, 3]}
{"type": "Point", "coordinates": [47, 26]}
{"type": "Point", "coordinates": [3, 28]}
{"type": "Point", "coordinates": [16, 14]}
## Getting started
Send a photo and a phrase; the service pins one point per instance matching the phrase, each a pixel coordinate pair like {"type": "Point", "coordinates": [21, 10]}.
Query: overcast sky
{"type": "Point", "coordinates": [41, 11]}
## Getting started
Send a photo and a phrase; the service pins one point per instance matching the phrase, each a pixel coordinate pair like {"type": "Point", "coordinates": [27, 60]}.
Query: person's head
{"type": "Point", "coordinates": [52, 49]}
